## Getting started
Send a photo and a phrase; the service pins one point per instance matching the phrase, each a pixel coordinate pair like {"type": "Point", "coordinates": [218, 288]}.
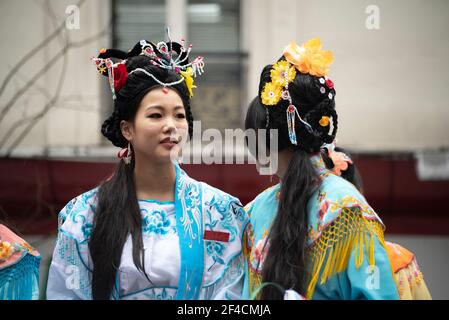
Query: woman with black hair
{"type": "Point", "coordinates": [407, 274]}
{"type": "Point", "coordinates": [313, 234]}
{"type": "Point", "coordinates": [150, 231]}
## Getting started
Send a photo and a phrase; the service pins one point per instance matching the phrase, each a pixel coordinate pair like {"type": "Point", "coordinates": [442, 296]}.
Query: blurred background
{"type": "Point", "coordinates": [390, 74]}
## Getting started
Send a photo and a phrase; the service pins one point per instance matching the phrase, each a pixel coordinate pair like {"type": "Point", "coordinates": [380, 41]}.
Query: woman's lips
{"type": "Point", "coordinates": [168, 143]}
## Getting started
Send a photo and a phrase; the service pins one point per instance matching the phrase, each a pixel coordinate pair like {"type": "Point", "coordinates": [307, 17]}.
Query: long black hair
{"type": "Point", "coordinates": [118, 214]}
{"type": "Point", "coordinates": [285, 263]}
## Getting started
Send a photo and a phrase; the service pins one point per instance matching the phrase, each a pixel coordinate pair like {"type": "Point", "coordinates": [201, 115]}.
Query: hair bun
{"type": "Point", "coordinates": [111, 130]}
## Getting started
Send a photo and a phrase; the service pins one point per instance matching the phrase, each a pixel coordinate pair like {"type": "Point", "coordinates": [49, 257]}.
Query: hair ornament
{"type": "Point", "coordinates": [169, 55]}
{"type": "Point", "coordinates": [307, 59]}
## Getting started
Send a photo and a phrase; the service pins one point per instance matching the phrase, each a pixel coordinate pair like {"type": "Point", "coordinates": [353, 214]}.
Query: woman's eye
{"type": "Point", "coordinates": [155, 115]}
{"type": "Point", "coordinates": [181, 115]}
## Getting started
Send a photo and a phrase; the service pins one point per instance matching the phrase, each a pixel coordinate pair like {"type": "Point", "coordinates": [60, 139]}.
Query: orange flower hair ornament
{"type": "Point", "coordinates": [307, 59]}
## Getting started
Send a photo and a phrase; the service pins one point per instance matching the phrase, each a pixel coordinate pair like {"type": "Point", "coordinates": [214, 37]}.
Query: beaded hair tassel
{"type": "Point", "coordinates": [292, 112]}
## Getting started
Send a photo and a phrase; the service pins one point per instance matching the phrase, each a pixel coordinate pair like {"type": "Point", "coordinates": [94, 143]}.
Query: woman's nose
{"type": "Point", "coordinates": [169, 125]}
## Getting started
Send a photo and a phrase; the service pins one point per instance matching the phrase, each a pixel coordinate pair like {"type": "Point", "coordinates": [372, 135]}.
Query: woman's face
{"type": "Point", "coordinates": [158, 127]}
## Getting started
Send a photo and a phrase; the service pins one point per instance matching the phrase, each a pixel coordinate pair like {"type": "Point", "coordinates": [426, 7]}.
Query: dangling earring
{"type": "Point", "coordinates": [126, 154]}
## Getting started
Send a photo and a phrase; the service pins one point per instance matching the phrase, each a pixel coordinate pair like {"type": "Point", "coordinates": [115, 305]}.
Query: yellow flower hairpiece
{"type": "Point", "coordinates": [279, 72]}
{"type": "Point", "coordinates": [189, 80]}
{"type": "Point", "coordinates": [309, 58]}
{"type": "Point", "coordinates": [271, 94]}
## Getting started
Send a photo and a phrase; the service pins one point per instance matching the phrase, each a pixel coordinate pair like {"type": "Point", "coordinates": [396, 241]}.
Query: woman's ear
{"type": "Point", "coordinates": [126, 129]}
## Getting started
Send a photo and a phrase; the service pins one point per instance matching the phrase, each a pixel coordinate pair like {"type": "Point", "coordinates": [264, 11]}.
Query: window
{"type": "Point", "coordinates": [135, 20]}
{"type": "Point", "coordinates": [213, 29]}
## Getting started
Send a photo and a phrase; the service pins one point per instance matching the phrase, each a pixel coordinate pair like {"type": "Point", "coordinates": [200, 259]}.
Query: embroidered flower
{"type": "Point", "coordinates": [87, 230]}
{"type": "Point", "coordinates": [188, 78]}
{"type": "Point", "coordinates": [260, 252]}
{"type": "Point", "coordinates": [271, 94]}
{"type": "Point", "coordinates": [279, 73]}
{"type": "Point", "coordinates": [323, 209]}
{"type": "Point", "coordinates": [27, 246]}
{"type": "Point", "coordinates": [321, 195]}
{"type": "Point", "coordinates": [309, 58]}
{"type": "Point", "coordinates": [156, 222]}
{"type": "Point", "coordinates": [6, 250]}
{"type": "Point", "coordinates": [329, 84]}
{"type": "Point", "coordinates": [214, 248]}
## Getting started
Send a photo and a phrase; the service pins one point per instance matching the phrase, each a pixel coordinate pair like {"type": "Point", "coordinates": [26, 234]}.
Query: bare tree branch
{"type": "Point", "coordinates": [48, 9]}
{"type": "Point", "coordinates": [37, 86]}
{"type": "Point", "coordinates": [63, 40]}
{"type": "Point", "coordinates": [47, 107]}
{"type": "Point", "coordinates": [33, 52]}
{"type": "Point", "coordinates": [34, 119]}
{"type": "Point", "coordinates": [47, 67]}
{"type": "Point", "coordinates": [28, 85]}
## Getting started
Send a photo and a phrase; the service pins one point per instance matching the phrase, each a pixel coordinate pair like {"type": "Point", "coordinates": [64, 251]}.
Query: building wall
{"type": "Point", "coordinates": [390, 82]}
{"type": "Point", "coordinates": [74, 119]}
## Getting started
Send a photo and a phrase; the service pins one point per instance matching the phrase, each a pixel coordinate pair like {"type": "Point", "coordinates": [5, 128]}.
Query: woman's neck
{"type": "Point", "coordinates": [155, 181]}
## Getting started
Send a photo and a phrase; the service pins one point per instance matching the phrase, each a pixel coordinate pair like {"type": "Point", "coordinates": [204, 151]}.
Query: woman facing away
{"type": "Point", "coordinates": [313, 233]}
{"type": "Point", "coordinates": [150, 231]}
{"type": "Point", "coordinates": [407, 274]}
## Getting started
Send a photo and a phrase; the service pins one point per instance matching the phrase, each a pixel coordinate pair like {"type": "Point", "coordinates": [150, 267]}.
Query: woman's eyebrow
{"type": "Point", "coordinates": [154, 107]}
{"type": "Point", "coordinates": [162, 108]}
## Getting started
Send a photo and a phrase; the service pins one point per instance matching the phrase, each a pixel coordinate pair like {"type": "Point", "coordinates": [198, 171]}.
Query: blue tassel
{"type": "Point", "coordinates": [20, 281]}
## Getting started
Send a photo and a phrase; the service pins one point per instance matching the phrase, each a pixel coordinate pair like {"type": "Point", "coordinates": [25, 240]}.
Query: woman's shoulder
{"type": "Point", "coordinates": [13, 248]}
{"type": "Point", "coordinates": [340, 193]}
{"type": "Point", "coordinates": [269, 194]}
{"type": "Point", "coordinates": [334, 200]}
{"type": "Point", "coordinates": [76, 218]}
{"type": "Point", "coordinates": [222, 202]}
{"type": "Point", "coordinates": [338, 187]}
{"type": "Point", "coordinates": [213, 192]}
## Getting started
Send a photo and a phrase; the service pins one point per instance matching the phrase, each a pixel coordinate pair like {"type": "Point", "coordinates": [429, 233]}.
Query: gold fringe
{"type": "Point", "coordinates": [255, 281]}
{"type": "Point", "coordinates": [331, 252]}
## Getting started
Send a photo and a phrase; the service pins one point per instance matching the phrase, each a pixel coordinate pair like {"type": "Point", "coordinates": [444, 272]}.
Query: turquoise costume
{"type": "Point", "coordinates": [346, 253]}
{"type": "Point", "coordinates": [19, 267]}
{"type": "Point", "coordinates": [182, 259]}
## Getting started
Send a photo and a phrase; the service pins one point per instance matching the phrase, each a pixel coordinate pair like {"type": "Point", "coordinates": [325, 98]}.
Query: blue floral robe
{"type": "Point", "coordinates": [180, 262]}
